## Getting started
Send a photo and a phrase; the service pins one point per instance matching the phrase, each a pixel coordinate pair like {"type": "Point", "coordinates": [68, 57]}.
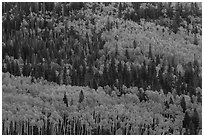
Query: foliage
{"type": "Point", "coordinates": [42, 111]}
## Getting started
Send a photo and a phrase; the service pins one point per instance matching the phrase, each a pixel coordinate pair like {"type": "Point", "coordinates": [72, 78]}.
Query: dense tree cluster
{"type": "Point", "coordinates": [44, 108]}
{"type": "Point", "coordinates": [62, 43]}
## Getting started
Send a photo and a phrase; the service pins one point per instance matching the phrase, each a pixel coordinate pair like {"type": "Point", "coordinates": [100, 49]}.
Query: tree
{"type": "Point", "coordinates": [150, 51]}
{"type": "Point", "coordinates": [25, 70]}
{"type": "Point", "coordinates": [127, 54]}
{"type": "Point", "coordinates": [81, 96]}
{"type": "Point", "coordinates": [199, 97]}
{"type": "Point", "coordinates": [65, 76]}
{"type": "Point", "coordinates": [191, 128]}
{"type": "Point", "coordinates": [171, 101]}
{"type": "Point", "coordinates": [186, 120]}
{"type": "Point", "coordinates": [176, 19]}
{"type": "Point", "coordinates": [195, 120]}
{"type": "Point", "coordinates": [195, 40]}
{"type": "Point", "coordinates": [71, 102]}
{"type": "Point", "coordinates": [112, 71]}
{"type": "Point", "coordinates": [18, 72]}
{"type": "Point", "coordinates": [65, 99]}
{"type": "Point", "coordinates": [183, 104]}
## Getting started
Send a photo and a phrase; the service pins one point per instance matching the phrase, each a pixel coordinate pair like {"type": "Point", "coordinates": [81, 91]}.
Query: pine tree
{"type": "Point", "coordinates": [192, 128]}
{"type": "Point", "coordinates": [65, 99]}
{"type": "Point", "coordinates": [127, 54]}
{"type": "Point", "coordinates": [171, 101]}
{"type": "Point", "coordinates": [24, 70]}
{"type": "Point", "coordinates": [120, 10]}
{"type": "Point", "coordinates": [32, 79]}
{"type": "Point", "coordinates": [195, 40]}
{"type": "Point", "coordinates": [186, 120]}
{"type": "Point", "coordinates": [65, 76]}
{"type": "Point", "coordinates": [150, 51]}
{"type": "Point", "coordinates": [112, 71]}
{"type": "Point", "coordinates": [195, 120]}
{"type": "Point", "coordinates": [81, 96]}
{"type": "Point", "coordinates": [183, 104]}
{"type": "Point", "coordinates": [157, 59]}
{"type": "Point", "coordinates": [3, 68]}
{"type": "Point", "coordinates": [71, 102]}
{"type": "Point", "coordinates": [135, 44]}
{"type": "Point", "coordinates": [18, 72]}
{"type": "Point", "coordinates": [199, 97]}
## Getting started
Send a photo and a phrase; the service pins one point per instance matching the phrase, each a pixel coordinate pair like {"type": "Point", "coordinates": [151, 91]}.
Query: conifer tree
{"type": "Point", "coordinates": [195, 120]}
{"type": "Point", "coordinates": [183, 104]}
{"type": "Point", "coordinates": [191, 128]}
{"type": "Point", "coordinates": [171, 101]}
{"type": "Point", "coordinates": [150, 51]}
{"type": "Point", "coordinates": [65, 100]}
{"type": "Point", "coordinates": [195, 40]}
{"type": "Point", "coordinates": [81, 96]}
{"type": "Point", "coordinates": [186, 120]}
{"type": "Point", "coordinates": [127, 54]}
{"type": "Point", "coordinates": [18, 72]}
{"type": "Point", "coordinates": [65, 76]}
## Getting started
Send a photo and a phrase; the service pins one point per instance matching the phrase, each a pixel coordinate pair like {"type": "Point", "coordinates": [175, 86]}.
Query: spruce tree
{"type": "Point", "coordinates": [65, 76]}
{"type": "Point", "coordinates": [18, 72]}
{"type": "Point", "coordinates": [183, 104]}
{"type": "Point", "coordinates": [150, 51]}
{"type": "Point", "coordinates": [127, 54]}
{"type": "Point", "coordinates": [195, 120]}
{"type": "Point", "coordinates": [171, 101]}
{"type": "Point", "coordinates": [81, 96]}
{"type": "Point", "coordinates": [186, 120]}
{"type": "Point", "coordinates": [65, 100]}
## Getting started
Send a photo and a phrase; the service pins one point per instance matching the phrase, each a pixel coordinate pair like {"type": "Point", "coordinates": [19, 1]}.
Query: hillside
{"type": "Point", "coordinates": [39, 108]}
{"type": "Point", "coordinates": [101, 68]}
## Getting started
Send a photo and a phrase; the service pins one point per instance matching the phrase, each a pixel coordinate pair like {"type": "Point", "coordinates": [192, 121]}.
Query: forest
{"type": "Point", "coordinates": [100, 68]}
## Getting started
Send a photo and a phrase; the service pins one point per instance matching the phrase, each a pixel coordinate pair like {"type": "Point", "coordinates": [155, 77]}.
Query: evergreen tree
{"type": "Point", "coordinates": [127, 54]}
{"type": "Point", "coordinates": [176, 19]}
{"type": "Point", "coordinates": [71, 102]}
{"type": "Point", "coordinates": [199, 97]}
{"type": "Point", "coordinates": [150, 51]}
{"type": "Point", "coordinates": [171, 101]}
{"type": "Point", "coordinates": [195, 120]}
{"type": "Point", "coordinates": [186, 120]}
{"type": "Point", "coordinates": [195, 40]}
{"type": "Point", "coordinates": [135, 44]}
{"type": "Point", "coordinates": [157, 59]}
{"type": "Point", "coordinates": [65, 100]}
{"type": "Point", "coordinates": [112, 71]}
{"type": "Point", "coordinates": [13, 67]}
{"type": "Point", "coordinates": [25, 70]}
{"type": "Point", "coordinates": [81, 96]}
{"type": "Point", "coordinates": [3, 68]}
{"type": "Point", "coordinates": [124, 74]}
{"type": "Point", "coordinates": [65, 76]}
{"type": "Point", "coordinates": [120, 10]}
{"type": "Point", "coordinates": [32, 79]}
{"type": "Point", "coordinates": [183, 104]}
{"type": "Point", "coordinates": [18, 72]}
{"type": "Point", "coordinates": [192, 128]}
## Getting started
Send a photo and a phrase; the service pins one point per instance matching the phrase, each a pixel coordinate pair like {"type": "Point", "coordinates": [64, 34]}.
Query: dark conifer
{"type": "Point", "coordinates": [186, 120]}
{"type": "Point", "coordinates": [150, 51]}
{"type": "Point", "coordinates": [81, 96]}
{"type": "Point", "coordinates": [127, 54]}
{"type": "Point", "coordinates": [65, 100]}
{"type": "Point", "coordinates": [195, 120]}
{"type": "Point", "coordinates": [183, 104]}
{"type": "Point", "coordinates": [65, 76]}
{"type": "Point", "coordinates": [171, 101]}
{"type": "Point", "coordinates": [18, 72]}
